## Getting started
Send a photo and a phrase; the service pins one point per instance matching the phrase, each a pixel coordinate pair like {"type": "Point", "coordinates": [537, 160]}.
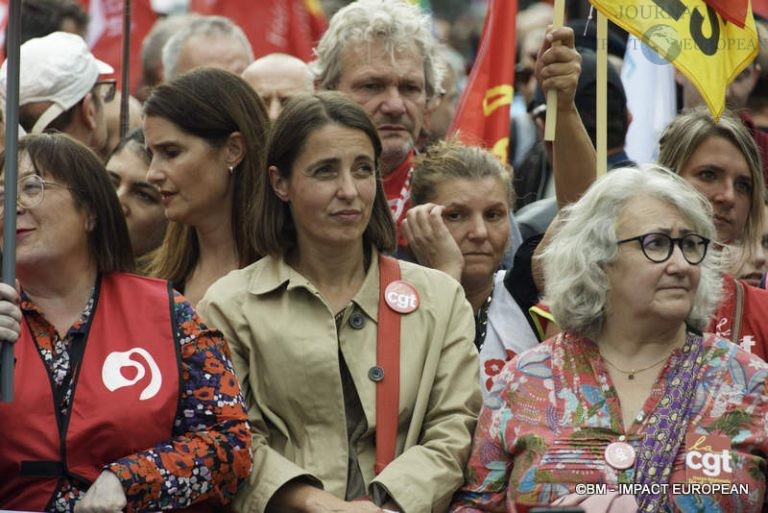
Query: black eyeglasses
{"type": "Point", "coordinates": [108, 91]}
{"type": "Point", "coordinates": [658, 247]}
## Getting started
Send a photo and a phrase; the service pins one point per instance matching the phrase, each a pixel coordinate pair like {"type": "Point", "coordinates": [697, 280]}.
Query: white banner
{"type": "Point", "coordinates": [649, 83]}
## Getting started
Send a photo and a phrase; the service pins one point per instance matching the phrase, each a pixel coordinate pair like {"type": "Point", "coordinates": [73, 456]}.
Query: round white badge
{"type": "Point", "coordinates": [620, 455]}
{"type": "Point", "coordinates": [401, 296]}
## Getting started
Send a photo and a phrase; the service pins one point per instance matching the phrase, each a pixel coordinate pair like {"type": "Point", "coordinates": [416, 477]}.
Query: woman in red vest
{"type": "Point", "coordinates": [123, 397]}
{"type": "Point", "coordinates": [721, 160]}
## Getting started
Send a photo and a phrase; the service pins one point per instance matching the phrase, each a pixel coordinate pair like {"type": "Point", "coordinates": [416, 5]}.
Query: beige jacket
{"type": "Point", "coordinates": [285, 351]}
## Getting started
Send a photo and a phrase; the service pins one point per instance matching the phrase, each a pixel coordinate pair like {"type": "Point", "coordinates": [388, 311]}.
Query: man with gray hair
{"type": "Point", "coordinates": [152, 50]}
{"type": "Point", "coordinates": [380, 53]}
{"type": "Point", "coordinates": [213, 41]}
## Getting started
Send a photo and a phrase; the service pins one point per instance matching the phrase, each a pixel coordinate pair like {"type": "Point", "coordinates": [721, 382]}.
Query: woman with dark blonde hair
{"type": "Point", "coordinates": [122, 397]}
{"type": "Point", "coordinates": [722, 161]}
{"type": "Point", "coordinates": [207, 150]}
{"type": "Point", "coordinates": [359, 369]}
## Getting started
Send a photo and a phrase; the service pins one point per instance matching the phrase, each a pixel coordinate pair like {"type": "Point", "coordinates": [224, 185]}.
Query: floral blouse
{"type": "Point", "coordinates": [543, 431]}
{"type": "Point", "coordinates": [205, 459]}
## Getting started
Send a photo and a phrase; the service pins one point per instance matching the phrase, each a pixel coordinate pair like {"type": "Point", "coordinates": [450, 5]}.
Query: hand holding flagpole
{"type": "Point", "coordinates": [551, 120]}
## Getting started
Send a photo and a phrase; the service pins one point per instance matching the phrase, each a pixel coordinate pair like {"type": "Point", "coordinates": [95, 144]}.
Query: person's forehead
{"type": "Point", "coordinates": [376, 57]}
{"type": "Point", "coordinates": [646, 213]}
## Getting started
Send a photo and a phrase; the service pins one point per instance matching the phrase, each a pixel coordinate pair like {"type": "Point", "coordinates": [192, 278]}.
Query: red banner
{"type": "Point", "coordinates": [105, 33]}
{"type": "Point", "coordinates": [482, 117]}
{"type": "Point", "coordinates": [760, 7]}
{"type": "Point", "coordinates": [3, 22]}
{"type": "Point", "coordinates": [734, 11]}
{"type": "Point", "coordinates": [285, 26]}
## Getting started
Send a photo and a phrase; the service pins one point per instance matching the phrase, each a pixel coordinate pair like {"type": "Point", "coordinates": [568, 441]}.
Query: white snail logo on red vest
{"type": "Point", "coordinates": [112, 372]}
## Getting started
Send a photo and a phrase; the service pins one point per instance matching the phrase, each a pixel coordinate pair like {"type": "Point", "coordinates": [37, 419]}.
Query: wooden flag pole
{"type": "Point", "coordinates": [13, 44]}
{"type": "Point", "coordinates": [550, 124]}
{"type": "Point", "coordinates": [126, 67]}
{"type": "Point", "coordinates": [602, 94]}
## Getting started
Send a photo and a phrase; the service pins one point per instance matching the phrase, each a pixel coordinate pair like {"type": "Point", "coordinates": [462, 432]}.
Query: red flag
{"type": "Point", "coordinates": [3, 20]}
{"type": "Point", "coordinates": [760, 7]}
{"type": "Point", "coordinates": [286, 26]}
{"type": "Point", "coordinates": [105, 33]}
{"type": "Point", "coordinates": [734, 11]}
{"type": "Point", "coordinates": [482, 117]}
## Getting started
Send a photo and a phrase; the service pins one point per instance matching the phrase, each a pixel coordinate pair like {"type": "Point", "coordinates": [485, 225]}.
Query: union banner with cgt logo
{"type": "Point", "coordinates": [710, 42]}
{"type": "Point", "coordinates": [482, 117]}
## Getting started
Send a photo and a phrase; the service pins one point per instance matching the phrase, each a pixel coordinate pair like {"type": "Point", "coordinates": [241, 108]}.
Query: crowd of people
{"type": "Point", "coordinates": [287, 289]}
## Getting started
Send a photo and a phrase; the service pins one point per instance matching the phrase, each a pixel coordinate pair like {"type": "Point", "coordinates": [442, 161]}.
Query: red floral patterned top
{"type": "Point", "coordinates": [554, 410]}
{"type": "Point", "coordinates": [207, 457]}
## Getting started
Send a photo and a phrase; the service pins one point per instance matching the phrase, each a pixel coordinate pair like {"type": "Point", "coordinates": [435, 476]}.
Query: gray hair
{"type": "Point", "coordinates": [395, 23]}
{"type": "Point", "coordinates": [152, 46]}
{"type": "Point", "coordinates": [205, 26]}
{"type": "Point", "coordinates": [575, 261]}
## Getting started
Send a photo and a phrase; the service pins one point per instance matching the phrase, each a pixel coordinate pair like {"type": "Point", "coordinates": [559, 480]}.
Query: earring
{"type": "Point", "coordinates": [231, 170]}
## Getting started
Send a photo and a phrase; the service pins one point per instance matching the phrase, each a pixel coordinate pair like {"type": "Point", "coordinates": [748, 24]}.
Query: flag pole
{"type": "Point", "coordinates": [13, 44]}
{"type": "Point", "coordinates": [126, 67]}
{"type": "Point", "coordinates": [550, 124]}
{"type": "Point", "coordinates": [602, 94]}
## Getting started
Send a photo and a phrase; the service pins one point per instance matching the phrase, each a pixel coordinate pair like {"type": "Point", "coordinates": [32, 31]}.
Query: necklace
{"type": "Point", "coordinates": [631, 373]}
{"type": "Point", "coordinates": [481, 322]}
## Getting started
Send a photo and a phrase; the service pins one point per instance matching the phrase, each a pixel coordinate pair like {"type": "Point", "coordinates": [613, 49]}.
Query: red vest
{"type": "Point", "coordinates": [124, 400]}
{"type": "Point", "coordinates": [753, 329]}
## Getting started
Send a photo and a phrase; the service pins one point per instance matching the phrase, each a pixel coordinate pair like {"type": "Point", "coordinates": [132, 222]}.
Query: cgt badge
{"type": "Point", "coordinates": [402, 297]}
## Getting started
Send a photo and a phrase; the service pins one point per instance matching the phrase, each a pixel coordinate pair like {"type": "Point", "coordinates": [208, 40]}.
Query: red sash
{"type": "Point", "coordinates": [388, 359]}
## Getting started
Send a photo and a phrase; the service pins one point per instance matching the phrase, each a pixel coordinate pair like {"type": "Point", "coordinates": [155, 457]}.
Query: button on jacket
{"type": "Point", "coordinates": [285, 350]}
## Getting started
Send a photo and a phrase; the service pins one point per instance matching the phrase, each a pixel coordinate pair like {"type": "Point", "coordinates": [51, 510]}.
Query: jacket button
{"type": "Point", "coordinates": [376, 374]}
{"type": "Point", "coordinates": [357, 320]}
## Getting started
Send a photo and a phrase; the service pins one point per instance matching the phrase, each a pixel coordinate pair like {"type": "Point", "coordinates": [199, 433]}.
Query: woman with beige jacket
{"type": "Point", "coordinates": [315, 325]}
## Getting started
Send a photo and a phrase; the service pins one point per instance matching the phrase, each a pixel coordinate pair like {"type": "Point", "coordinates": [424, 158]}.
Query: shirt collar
{"type": "Point", "coordinates": [275, 273]}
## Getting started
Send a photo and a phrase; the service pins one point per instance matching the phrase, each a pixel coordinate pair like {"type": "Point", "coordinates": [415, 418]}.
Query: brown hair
{"type": "Point", "coordinates": [275, 232]}
{"type": "Point", "coordinates": [452, 160]}
{"type": "Point", "coordinates": [77, 166]}
{"type": "Point", "coordinates": [212, 104]}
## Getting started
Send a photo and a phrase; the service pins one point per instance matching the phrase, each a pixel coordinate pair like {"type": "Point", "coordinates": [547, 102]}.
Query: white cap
{"type": "Point", "coordinates": [58, 68]}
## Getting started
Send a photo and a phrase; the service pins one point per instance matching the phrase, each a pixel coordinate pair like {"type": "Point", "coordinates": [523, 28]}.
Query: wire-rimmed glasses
{"type": "Point", "coordinates": [30, 191]}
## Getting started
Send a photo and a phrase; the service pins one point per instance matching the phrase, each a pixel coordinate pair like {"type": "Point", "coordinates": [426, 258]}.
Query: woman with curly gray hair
{"type": "Point", "coordinates": [631, 391]}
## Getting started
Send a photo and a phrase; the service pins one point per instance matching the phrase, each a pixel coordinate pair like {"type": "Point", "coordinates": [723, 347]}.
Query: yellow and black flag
{"type": "Point", "coordinates": [710, 41]}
